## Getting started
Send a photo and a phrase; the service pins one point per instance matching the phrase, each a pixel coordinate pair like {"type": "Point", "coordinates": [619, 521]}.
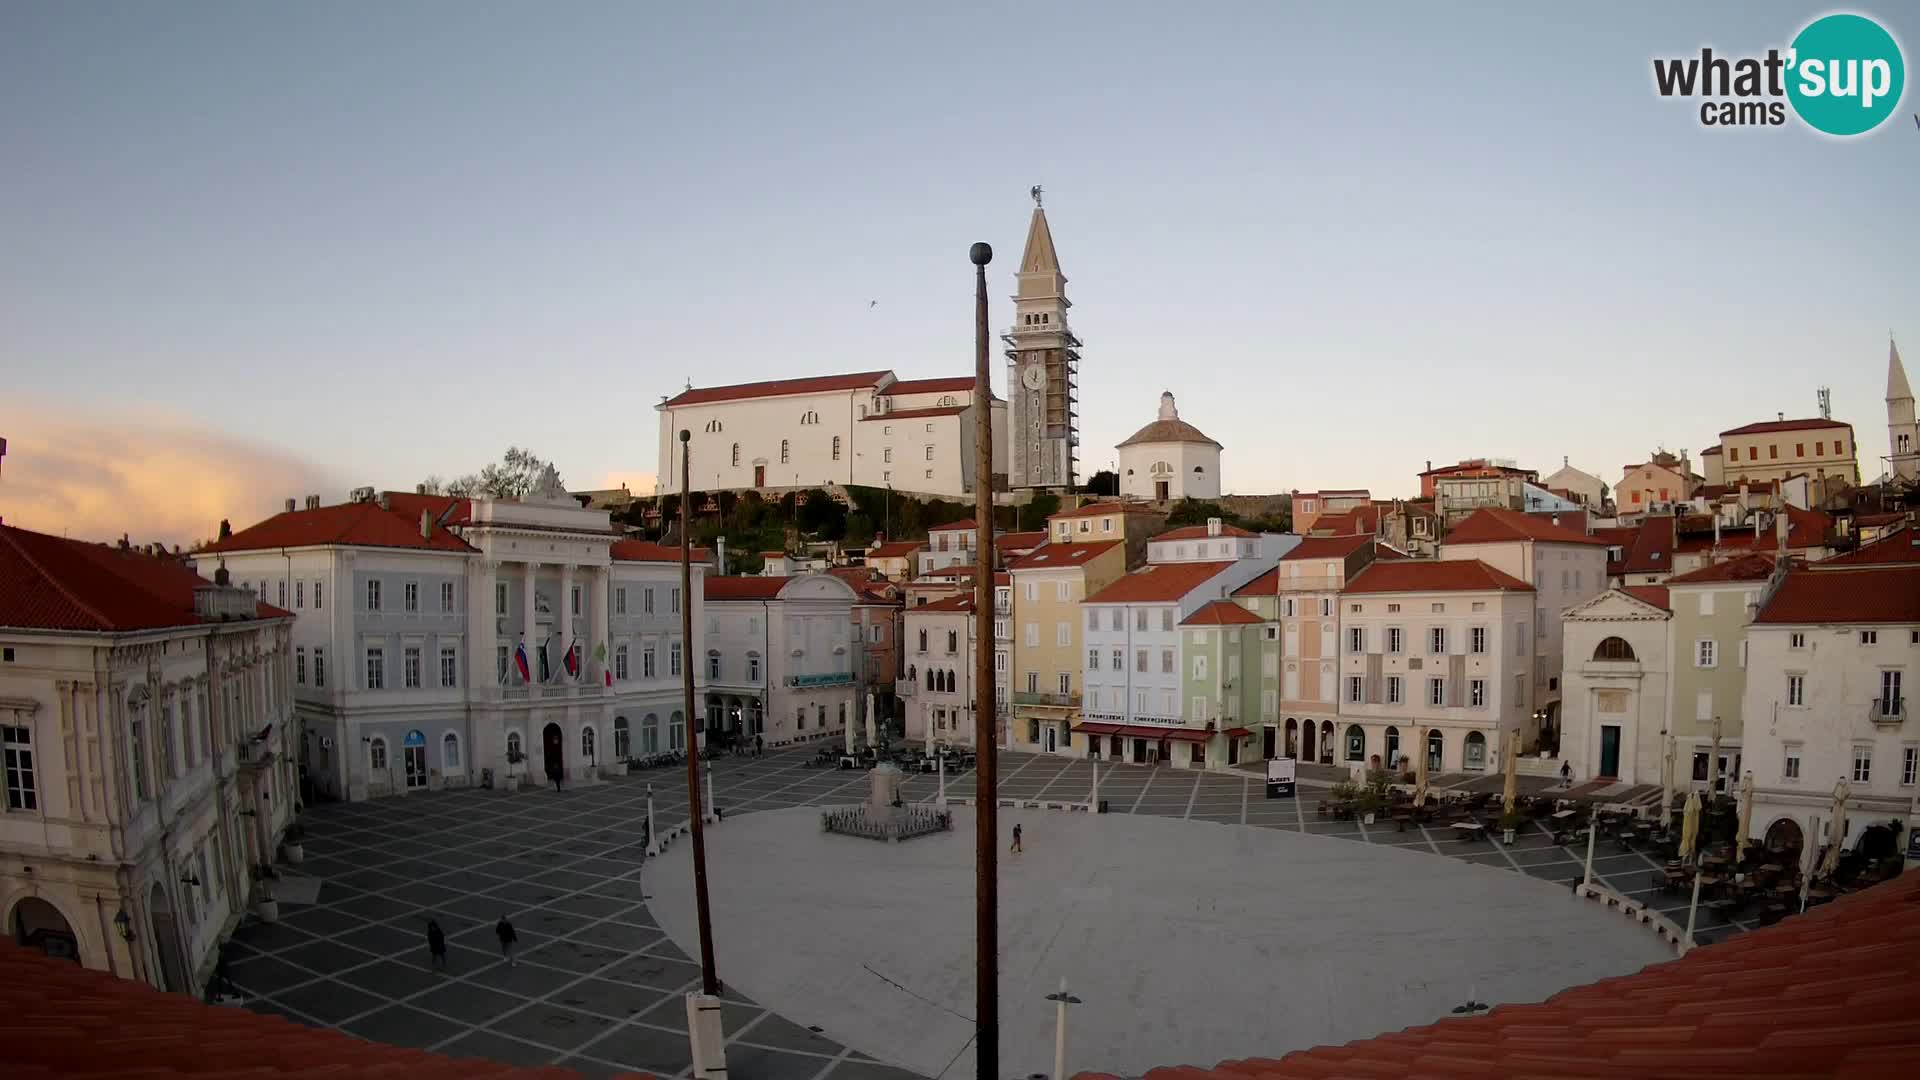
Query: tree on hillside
{"type": "Point", "coordinates": [1104, 482]}
{"type": "Point", "coordinates": [512, 477]}
{"type": "Point", "coordinates": [1196, 512]}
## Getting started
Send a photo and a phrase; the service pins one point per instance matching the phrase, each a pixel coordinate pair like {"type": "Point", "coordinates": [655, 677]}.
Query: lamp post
{"type": "Point", "coordinates": [986, 988]}
{"type": "Point", "coordinates": [1061, 1000]}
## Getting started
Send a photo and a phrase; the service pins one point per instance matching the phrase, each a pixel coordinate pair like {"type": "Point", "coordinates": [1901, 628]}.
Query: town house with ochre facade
{"type": "Point", "coordinates": [1048, 587]}
{"type": "Point", "coordinates": [147, 727]}
{"type": "Point", "coordinates": [413, 613]}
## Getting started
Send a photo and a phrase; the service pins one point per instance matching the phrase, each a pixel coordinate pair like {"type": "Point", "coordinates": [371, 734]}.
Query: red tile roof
{"type": "Point", "coordinates": [446, 509]}
{"type": "Point", "coordinates": [1805, 529]}
{"type": "Point", "coordinates": [1652, 550]}
{"type": "Point", "coordinates": [1267, 584]}
{"type": "Point", "coordinates": [1054, 556]}
{"type": "Point", "coordinates": [1481, 465]}
{"type": "Point", "coordinates": [1829, 993]}
{"type": "Point", "coordinates": [1786, 425]}
{"type": "Point", "coordinates": [898, 549]}
{"type": "Point", "coordinates": [1622, 537]}
{"type": "Point", "coordinates": [50, 583]}
{"type": "Point", "coordinates": [1711, 450]}
{"type": "Point", "coordinates": [1326, 547]}
{"type": "Point", "coordinates": [914, 414]}
{"type": "Point", "coordinates": [822, 384]}
{"type": "Point", "coordinates": [1748, 567]}
{"type": "Point", "coordinates": [1651, 594]}
{"type": "Point", "coordinates": [1221, 613]}
{"type": "Point", "coordinates": [959, 384]}
{"type": "Point", "coordinates": [60, 1019]}
{"type": "Point", "coordinates": [648, 551]}
{"type": "Point", "coordinates": [354, 524]}
{"type": "Point", "coordinates": [1433, 575]}
{"type": "Point", "coordinates": [963, 525]}
{"type": "Point", "coordinates": [1897, 546]}
{"type": "Point", "coordinates": [744, 588]}
{"type": "Point", "coordinates": [1493, 526]}
{"type": "Point", "coordinates": [1158, 582]}
{"type": "Point", "coordinates": [1019, 541]}
{"type": "Point", "coordinates": [1107, 506]}
{"type": "Point", "coordinates": [949, 604]}
{"type": "Point", "coordinates": [1877, 594]}
{"type": "Point", "coordinates": [1199, 532]}
{"type": "Point", "coordinates": [1357, 521]}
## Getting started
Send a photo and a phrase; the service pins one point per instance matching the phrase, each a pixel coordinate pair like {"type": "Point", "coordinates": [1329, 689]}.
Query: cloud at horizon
{"type": "Point", "coordinates": [152, 478]}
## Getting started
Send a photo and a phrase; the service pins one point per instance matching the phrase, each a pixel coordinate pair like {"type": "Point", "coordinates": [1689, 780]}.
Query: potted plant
{"type": "Point", "coordinates": [514, 757]}
{"type": "Point", "coordinates": [265, 907]}
{"type": "Point", "coordinates": [1509, 825]}
{"type": "Point", "coordinates": [294, 842]}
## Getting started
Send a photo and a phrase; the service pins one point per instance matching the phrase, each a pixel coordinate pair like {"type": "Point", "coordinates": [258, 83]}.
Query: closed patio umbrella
{"type": "Point", "coordinates": [1713, 763]}
{"type": "Point", "coordinates": [1666, 784]}
{"type": "Point", "coordinates": [1513, 769]}
{"type": "Point", "coordinates": [850, 735]}
{"type": "Point", "coordinates": [1690, 826]}
{"type": "Point", "coordinates": [1740, 840]}
{"type": "Point", "coordinates": [1420, 767]}
{"type": "Point", "coordinates": [1837, 830]}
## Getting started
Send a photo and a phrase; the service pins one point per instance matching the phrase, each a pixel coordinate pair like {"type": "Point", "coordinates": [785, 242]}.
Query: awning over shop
{"type": "Point", "coordinates": [1152, 731]}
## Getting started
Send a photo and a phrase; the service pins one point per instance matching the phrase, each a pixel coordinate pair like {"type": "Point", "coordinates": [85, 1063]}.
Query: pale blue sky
{"type": "Point", "coordinates": [392, 239]}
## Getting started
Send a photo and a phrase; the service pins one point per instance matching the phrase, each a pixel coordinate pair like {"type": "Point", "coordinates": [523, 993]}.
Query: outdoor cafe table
{"type": "Point", "coordinates": [1469, 830]}
{"type": "Point", "coordinates": [1562, 815]}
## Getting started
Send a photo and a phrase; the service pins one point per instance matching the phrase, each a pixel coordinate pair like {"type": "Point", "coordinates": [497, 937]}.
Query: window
{"type": "Point", "coordinates": [1356, 743]}
{"type": "Point", "coordinates": [17, 745]}
{"type": "Point", "coordinates": [410, 666]}
{"type": "Point", "coordinates": [1066, 683]}
{"type": "Point", "coordinates": [1356, 689]}
{"type": "Point", "coordinates": [1520, 639]}
{"type": "Point", "coordinates": [1166, 661]}
{"type": "Point", "coordinates": [1862, 764]}
{"type": "Point", "coordinates": [1706, 653]}
{"type": "Point", "coordinates": [1909, 762]}
{"type": "Point", "coordinates": [319, 666]}
{"type": "Point", "coordinates": [1286, 608]}
{"type": "Point", "coordinates": [449, 666]}
{"type": "Point", "coordinates": [1437, 640]}
{"type": "Point", "coordinates": [1032, 590]}
{"type": "Point", "coordinates": [1796, 691]}
{"type": "Point", "coordinates": [377, 754]}
{"type": "Point", "coordinates": [300, 666]}
{"type": "Point", "coordinates": [586, 743]}
{"type": "Point", "coordinates": [620, 663]}
{"type": "Point", "coordinates": [1200, 667]}
{"type": "Point", "coordinates": [1140, 619]}
{"type": "Point", "coordinates": [1391, 608]}
{"type": "Point", "coordinates": [1356, 639]}
{"type": "Point", "coordinates": [836, 448]}
{"type": "Point", "coordinates": [1140, 660]}
{"type": "Point", "coordinates": [1889, 703]}
{"type": "Point", "coordinates": [1326, 607]}
{"type": "Point", "coordinates": [446, 596]}
{"type": "Point", "coordinates": [1773, 451]}
{"type": "Point", "coordinates": [376, 669]}
{"type": "Point", "coordinates": [674, 601]}
{"type": "Point", "coordinates": [499, 598]}
{"type": "Point", "coordinates": [450, 751]}
{"type": "Point", "coordinates": [1093, 659]}
{"type": "Point", "coordinates": [1706, 602]}
{"type": "Point", "coordinates": [923, 640]}
{"type": "Point", "coordinates": [887, 454]}
{"type": "Point", "coordinates": [1063, 633]}
{"type": "Point", "coordinates": [1613, 648]}
{"type": "Point", "coordinates": [1064, 592]}
{"type": "Point", "coordinates": [410, 596]}
{"type": "Point", "coordinates": [1477, 693]}
{"type": "Point", "coordinates": [1393, 640]}
{"type": "Point", "coordinates": [500, 664]}
{"type": "Point", "coordinates": [713, 665]}
{"type": "Point", "coordinates": [1199, 708]}
{"type": "Point", "coordinates": [1869, 637]}
{"type": "Point", "coordinates": [1393, 689]}
{"type": "Point", "coordinates": [1119, 659]}
{"type": "Point", "coordinates": [1032, 635]}
{"type": "Point", "coordinates": [1166, 619]}
{"type": "Point", "coordinates": [1790, 762]}
{"type": "Point", "coordinates": [1796, 640]}
{"type": "Point", "coordinates": [784, 453]}
{"type": "Point", "coordinates": [283, 592]}
{"type": "Point", "coordinates": [736, 456]}
{"type": "Point", "coordinates": [1477, 640]}
{"type": "Point", "coordinates": [929, 449]}
{"type": "Point", "coordinates": [1436, 691]}
{"type": "Point", "coordinates": [299, 595]}
{"type": "Point", "coordinates": [373, 595]}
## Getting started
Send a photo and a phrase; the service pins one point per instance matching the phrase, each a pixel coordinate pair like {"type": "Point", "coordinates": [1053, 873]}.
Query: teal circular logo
{"type": "Point", "coordinates": [1845, 74]}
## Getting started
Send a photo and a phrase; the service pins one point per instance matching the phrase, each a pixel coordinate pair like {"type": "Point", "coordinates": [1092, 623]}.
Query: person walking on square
{"type": "Point", "coordinates": [1016, 839]}
{"type": "Point", "coordinates": [554, 773]}
{"type": "Point", "coordinates": [437, 944]}
{"type": "Point", "coordinates": [1566, 774]}
{"type": "Point", "coordinates": [759, 745]}
{"type": "Point", "coordinates": [504, 931]}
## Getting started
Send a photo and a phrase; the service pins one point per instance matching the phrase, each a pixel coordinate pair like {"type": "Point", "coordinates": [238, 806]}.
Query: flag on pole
{"type": "Point", "coordinates": [600, 657]}
{"type": "Point", "coordinates": [520, 661]}
{"type": "Point", "coordinates": [572, 659]}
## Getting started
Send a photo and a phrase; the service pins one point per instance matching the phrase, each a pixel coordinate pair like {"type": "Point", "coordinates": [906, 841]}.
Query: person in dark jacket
{"type": "Point", "coordinates": [504, 931]}
{"type": "Point", "coordinates": [437, 944]}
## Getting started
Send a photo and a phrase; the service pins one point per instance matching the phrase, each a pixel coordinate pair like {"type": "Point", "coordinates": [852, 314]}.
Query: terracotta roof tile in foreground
{"type": "Point", "coordinates": [822, 384]}
{"type": "Point", "coordinates": [1833, 992]}
{"type": "Point", "coordinates": [1161, 582]}
{"type": "Point", "coordinates": [60, 1019]}
{"type": "Point", "coordinates": [51, 583]}
{"type": "Point", "coordinates": [1434, 575]}
{"type": "Point", "coordinates": [1221, 613]}
{"type": "Point", "coordinates": [1880, 594]}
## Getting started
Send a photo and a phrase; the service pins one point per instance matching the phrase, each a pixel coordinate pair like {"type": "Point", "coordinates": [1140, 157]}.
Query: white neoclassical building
{"type": "Point", "coordinates": [413, 615]}
{"type": "Point", "coordinates": [779, 659]}
{"type": "Point", "coordinates": [143, 715]}
{"type": "Point", "coordinates": [1169, 460]}
{"type": "Point", "coordinates": [1616, 681]}
{"type": "Point", "coordinates": [868, 428]}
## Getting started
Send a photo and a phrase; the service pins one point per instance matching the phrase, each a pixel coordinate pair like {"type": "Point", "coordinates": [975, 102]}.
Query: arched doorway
{"type": "Point", "coordinates": [1784, 835]}
{"type": "Point", "coordinates": [553, 750]}
{"type": "Point", "coordinates": [1393, 747]}
{"type": "Point", "coordinates": [1436, 755]}
{"type": "Point", "coordinates": [1326, 742]}
{"type": "Point", "coordinates": [1293, 737]}
{"type": "Point", "coordinates": [1476, 751]}
{"type": "Point", "coordinates": [1876, 842]}
{"type": "Point", "coordinates": [413, 754]}
{"type": "Point", "coordinates": [37, 924]}
{"type": "Point", "coordinates": [1356, 743]}
{"type": "Point", "coordinates": [650, 734]}
{"type": "Point", "coordinates": [166, 940]}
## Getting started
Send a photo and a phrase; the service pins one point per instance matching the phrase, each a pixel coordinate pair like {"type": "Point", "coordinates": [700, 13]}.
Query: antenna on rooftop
{"type": "Point", "coordinates": [1825, 394]}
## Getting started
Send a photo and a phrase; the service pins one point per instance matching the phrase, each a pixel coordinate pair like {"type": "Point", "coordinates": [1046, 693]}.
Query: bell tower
{"type": "Point", "coordinates": [1043, 360]}
{"type": "Point", "coordinates": [1903, 441]}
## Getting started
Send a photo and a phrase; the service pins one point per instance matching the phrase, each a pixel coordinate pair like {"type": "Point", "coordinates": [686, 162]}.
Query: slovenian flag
{"type": "Point", "coordinates": [600, 657]}
{"type": "Point", "coordinates": [572, 660]}
{"type": "Point", "coordinates": [520, 661]}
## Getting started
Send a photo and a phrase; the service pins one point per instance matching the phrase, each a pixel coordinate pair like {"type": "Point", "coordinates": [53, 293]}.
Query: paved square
{"type": "Point", "coordinates": [597, 985]}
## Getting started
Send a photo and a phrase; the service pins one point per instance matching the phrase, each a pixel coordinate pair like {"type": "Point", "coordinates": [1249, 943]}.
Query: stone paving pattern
{"type": "Point", "coordinates": [597, 985]}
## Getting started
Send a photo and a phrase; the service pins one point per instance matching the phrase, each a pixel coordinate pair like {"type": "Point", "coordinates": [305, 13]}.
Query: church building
{"type": "Point", "coordinates": [1169, 460]}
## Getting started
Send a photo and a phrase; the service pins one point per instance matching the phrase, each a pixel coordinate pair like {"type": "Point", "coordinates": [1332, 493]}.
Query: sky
{"type": "Point", "coordinates": [257, 250]}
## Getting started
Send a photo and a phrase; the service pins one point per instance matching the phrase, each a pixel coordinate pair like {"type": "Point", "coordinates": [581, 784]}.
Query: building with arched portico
{"type": "Point", "coordinates": [145, 718]}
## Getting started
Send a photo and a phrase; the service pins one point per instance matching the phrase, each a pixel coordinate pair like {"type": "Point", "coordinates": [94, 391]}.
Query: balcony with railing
{"type": "Point", "coordinates": [1056, 700]}
{"type": "Point", "coordinates": [1888, 712]}
{"type": "Point", "coordinates": [905, 688]}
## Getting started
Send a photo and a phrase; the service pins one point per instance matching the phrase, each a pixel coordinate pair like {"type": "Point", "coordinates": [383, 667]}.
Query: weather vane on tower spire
{"type": "Point", "coordinates": [1035, 192]}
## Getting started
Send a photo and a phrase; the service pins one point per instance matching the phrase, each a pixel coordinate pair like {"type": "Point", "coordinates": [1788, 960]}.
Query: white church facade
{"type": "Point", "coordinates": [1169, 460]}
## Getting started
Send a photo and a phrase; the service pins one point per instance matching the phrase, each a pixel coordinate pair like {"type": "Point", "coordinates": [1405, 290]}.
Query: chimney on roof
{"type": "Point", "coordinates": [1213, 526]}
{"type": "Point", "coordinates": [1780, 531]}
{"type": "Point", "coordinates": [419, 489]}
{"type": "Point", "coordinates": [720, 550]}
{"type": "Point", "coordinates": [221, 577]}
{"type": "Point", "coordinates": [1716, 530]}
{"type": "Point", "coordinates": [426, 524]}
{"type": "Point", "coordinates": [385, 503]}
{"type": "Point", "coordinates": [1780, 415]}
{"type": "Point", "coordinates": [289, 506]}
{"type": "Point", "coordinates": [313, 502]}
{"type": "Point", "coordinates": [124, 546]}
